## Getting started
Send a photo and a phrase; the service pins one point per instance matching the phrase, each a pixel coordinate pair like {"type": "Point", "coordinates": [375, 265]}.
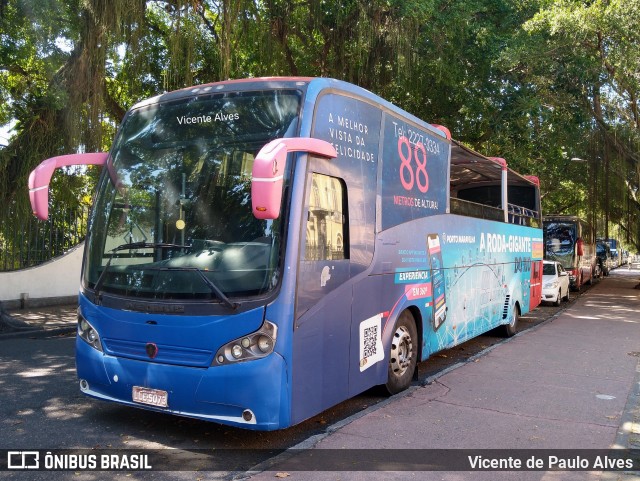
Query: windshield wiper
{"type": "Point", "coordinates": [162, 245]}
{"type": "Point", "coordinates": [210, 284]}
{"type": "Point", "coordinates": [217, 291]}
{"type": "Point", "coordinates": [130, 246]}
{"type": "Point", "coordinates": [148, 245]}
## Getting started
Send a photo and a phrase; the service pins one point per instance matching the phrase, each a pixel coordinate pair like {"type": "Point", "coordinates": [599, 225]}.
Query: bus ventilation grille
{"type": "Point", "coordinates": [177, 355]}
{"type": "Point", "coordinates": [505, 311]}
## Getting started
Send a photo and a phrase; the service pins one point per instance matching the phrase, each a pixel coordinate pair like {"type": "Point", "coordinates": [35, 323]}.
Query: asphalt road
{"type": "Point", "coordinates": [41, 408]}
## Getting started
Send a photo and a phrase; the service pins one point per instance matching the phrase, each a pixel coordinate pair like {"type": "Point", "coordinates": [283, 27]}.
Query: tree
{"type": "Point", "coordinates": [583, 57]}
{"type": "Point", "coordinates": [536, 81]}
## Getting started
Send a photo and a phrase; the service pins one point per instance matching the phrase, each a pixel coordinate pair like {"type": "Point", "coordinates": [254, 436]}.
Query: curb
{"type": "Point", "coordinates": [628, 436]}
{"type": "Point", "coordinates": [313, 440]}
{"type": "Point", "coordinates": [37, 333]}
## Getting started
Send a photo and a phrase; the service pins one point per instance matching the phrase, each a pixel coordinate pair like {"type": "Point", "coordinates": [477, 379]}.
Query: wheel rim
{"type": "Point", "coordinates": [401, 351]}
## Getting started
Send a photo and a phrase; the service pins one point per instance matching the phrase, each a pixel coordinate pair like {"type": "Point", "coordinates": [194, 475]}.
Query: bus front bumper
{"type": "Point", "coordinates": [251, 395]}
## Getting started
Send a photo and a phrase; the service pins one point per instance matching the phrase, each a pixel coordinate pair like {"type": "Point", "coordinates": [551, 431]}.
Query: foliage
{"type": "Point", "coordinates": [582, 58]}
{"type": "Point", "coordinates": [538, 82]}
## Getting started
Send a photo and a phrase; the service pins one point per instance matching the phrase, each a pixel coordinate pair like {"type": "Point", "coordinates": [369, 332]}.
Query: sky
{"type": "Point", "coordinates": [5, 133]}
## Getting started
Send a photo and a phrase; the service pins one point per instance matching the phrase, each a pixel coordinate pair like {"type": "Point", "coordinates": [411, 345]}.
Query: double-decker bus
{"type": "Point", "coordinates": [570, 240]}
{"type": "Point", "coordinates": [263, 249]}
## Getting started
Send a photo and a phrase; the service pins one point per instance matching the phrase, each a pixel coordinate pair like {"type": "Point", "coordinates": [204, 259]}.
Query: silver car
{"type": "Point", "coordinates": [555, 283]}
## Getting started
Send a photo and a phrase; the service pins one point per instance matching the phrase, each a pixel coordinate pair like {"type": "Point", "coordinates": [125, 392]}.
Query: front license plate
{"type": "Point", "coordinates": [152, 397]}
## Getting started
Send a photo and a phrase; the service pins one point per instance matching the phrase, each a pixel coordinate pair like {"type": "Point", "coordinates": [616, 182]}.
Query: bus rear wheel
{"type": "Point", "coordinates": [509, 330]}
{"type": "Point", "coordinates": [403, 354]}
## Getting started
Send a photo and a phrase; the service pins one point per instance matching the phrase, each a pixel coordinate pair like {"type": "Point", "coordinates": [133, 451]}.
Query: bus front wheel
{"type": "Point", "coordinates": [403, 354]}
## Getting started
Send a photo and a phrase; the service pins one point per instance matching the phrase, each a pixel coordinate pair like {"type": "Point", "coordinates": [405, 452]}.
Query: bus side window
{"type": "Point", "coordinates": [327, 226]}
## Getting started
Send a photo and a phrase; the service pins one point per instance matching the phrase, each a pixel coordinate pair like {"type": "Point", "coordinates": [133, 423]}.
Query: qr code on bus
{"type": "Point", "coordinates": [369, 341]}
{"type": "Point", "coordinates": [371, 350]}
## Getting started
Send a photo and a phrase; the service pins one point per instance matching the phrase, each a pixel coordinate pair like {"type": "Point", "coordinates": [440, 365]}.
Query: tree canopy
{"type": "Point", "coordinates": [538, 82]}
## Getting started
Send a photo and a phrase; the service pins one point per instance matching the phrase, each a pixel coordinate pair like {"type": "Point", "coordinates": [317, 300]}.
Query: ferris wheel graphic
{"type": "Point", "coordinates": [477, 293]}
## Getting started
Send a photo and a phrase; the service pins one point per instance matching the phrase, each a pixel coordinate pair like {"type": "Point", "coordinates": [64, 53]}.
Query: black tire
{"type": "Point", "coordinates": [403, 354]}
{"type": "Point", "coordinates": [578, 285]}
{"type": "Point", "coordinates": [558, 298]}
{"type": "Point", "coordinates": [567, 298]}
{"type": "Point", "coordinates": [509, 330]}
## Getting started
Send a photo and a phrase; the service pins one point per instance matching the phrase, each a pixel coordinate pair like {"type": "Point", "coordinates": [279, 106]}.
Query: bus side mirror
{"type": "Point", "coordinates": [41, 176]}
{"type": "Point", "coordinates": [267, 174]}
{"type": "Point", "coordinates": [580, 247]}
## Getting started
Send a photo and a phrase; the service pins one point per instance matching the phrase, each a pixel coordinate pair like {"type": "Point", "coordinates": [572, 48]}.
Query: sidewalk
{"type": "Point", "coordinates": [572, 382]}
{"type": "Point", "coordinates": [42, 321]}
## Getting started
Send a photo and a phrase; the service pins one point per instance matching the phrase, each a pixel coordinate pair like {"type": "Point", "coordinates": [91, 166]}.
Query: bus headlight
{"type": "Point", "coordinates": [265, 344]}
{"type": "Point", "coordinates": [253, 346]}
{"type": "Point", "coordinates": [236, 351]}
{"type": "Point", "coordinates": [87, 333]}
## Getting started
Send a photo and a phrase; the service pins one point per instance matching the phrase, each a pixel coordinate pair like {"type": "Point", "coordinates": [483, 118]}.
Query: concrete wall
{"type": "Point", "coordinates": [54, 282]}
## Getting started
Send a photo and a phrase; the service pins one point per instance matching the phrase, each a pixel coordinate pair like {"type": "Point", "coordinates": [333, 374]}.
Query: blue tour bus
{"type": "Point", "coordinates": [261, 250]}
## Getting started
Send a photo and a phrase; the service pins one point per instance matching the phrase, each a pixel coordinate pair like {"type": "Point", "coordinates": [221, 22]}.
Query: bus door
{"type": "Point", "coordinates": [321, 335]}
{"type": "Point", "coordinates": [536, 284]}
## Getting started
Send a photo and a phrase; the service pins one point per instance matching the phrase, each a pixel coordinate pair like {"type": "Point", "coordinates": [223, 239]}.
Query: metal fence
{"type": "Point", "coordinates": [517, 215]}
{"type": "Point", "coordinates": [31, 242]}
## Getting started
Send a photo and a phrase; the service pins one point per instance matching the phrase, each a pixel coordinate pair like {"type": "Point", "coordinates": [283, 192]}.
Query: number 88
{"type": "Point", "coordinates": [420, 176]}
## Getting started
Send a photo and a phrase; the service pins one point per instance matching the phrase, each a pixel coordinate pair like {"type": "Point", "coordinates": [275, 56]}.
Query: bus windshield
{"type": "Point", "coordinates": [173, 218]}
{"type": "Point", "coordinates": [560, 242]}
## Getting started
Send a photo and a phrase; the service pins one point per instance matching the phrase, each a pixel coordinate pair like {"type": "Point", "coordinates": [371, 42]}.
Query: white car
{"type": "Point", "coordinates": [555, 283]}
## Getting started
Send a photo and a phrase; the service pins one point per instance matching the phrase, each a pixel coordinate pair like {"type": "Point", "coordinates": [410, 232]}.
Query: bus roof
{"type": "Point", "coordinates": [469, 166]}
{"type": "Point", "coordinates": [239, 84]}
